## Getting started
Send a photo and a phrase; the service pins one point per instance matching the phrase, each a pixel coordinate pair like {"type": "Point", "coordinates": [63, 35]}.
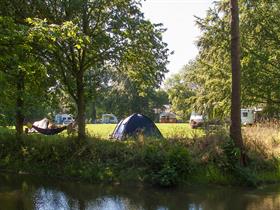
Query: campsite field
{"type": "Point", "coordinates": [168, 130]}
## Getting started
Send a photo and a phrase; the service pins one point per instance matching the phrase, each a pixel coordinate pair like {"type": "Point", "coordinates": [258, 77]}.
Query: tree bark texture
{"type": "Point", "coordinates": [235, 128]}
{"type": "Point", "coordinates": [81, 105]}
{"type": "Point", "coordinates": [19, 103]}
{"type": "Point", "coordinates": [93, 105]}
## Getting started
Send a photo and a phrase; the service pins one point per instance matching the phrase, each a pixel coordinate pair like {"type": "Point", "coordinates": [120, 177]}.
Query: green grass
{"type": "Point", "coordinates": [100, 130]}
{"type": "Point", "coordinates": [168, 130]}
{"type": "Point", "coordinates": [178, 130]}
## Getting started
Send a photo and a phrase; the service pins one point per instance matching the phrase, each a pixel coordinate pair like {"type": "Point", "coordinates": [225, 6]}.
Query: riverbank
{"type": "Point", "coordinates": [208, 159]}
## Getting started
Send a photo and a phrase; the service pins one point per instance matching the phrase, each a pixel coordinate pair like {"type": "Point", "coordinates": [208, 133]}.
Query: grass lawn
{"type": "Point", "coordinates": [100, 130]}
{"type": "Point", "coordinates": [168, 130]}
{"type": "Point", "coordinates": [178, 130]}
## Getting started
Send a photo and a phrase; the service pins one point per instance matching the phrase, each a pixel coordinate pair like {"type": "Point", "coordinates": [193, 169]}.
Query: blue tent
{"type": "Point", "coordinates": [133, 125]}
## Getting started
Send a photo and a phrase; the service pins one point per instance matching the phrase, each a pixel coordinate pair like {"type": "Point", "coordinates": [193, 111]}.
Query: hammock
{"type": "Point", "coordinates": [49, 131]}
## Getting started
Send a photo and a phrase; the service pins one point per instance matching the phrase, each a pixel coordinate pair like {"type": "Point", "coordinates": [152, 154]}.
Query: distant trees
{"type": "Point", "coordinates": [124, 98]}
{"type": "Point", "coordinates": [180, 91]}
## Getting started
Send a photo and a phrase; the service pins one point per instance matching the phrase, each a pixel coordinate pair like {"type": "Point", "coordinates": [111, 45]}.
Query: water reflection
{"type": "Point", "coordinates": [28, 192]}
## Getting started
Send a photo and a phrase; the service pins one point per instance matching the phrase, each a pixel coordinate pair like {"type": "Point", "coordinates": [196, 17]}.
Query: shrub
{"type": "Point", "coordinates": [157, 161]}
{"type": "Point", "coordinates": [166, 164]}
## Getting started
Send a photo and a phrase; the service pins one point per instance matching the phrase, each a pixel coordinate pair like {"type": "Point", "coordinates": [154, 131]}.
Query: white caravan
{"type": "Point", "coordinates": [109, 118]}
{"type": "Point", "coordinates": [247, 116]}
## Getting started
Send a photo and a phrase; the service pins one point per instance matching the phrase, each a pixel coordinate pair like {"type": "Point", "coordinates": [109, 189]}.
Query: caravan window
{"type": "Point", "coordinates": [245, 114]}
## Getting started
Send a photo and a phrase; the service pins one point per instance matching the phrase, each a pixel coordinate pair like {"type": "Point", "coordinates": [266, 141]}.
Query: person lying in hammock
{"type": "Point", "coordinates": [45, 127]}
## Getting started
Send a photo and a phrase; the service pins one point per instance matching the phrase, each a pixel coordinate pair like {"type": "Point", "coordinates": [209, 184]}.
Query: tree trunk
{"type": "Point", "coordinates": [80, 85]}
{"type": "Point", "coordinates": [235, 128]}
{"type": "Point", "coordinates": [93, 100]}
{"type": "Point", "coordinates": [93, 111]}
{"type": "Point", "coordinates": [19, 103]}
{"type": "Point", "coordinates": [81, 105]}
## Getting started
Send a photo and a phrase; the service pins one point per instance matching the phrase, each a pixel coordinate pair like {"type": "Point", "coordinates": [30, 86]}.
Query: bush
{"type": "Point", "coordinates": [166, 164]}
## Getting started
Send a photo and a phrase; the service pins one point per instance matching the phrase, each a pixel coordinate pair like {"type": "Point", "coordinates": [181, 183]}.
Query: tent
{"type": "Point", "coordinates": [135, 124]}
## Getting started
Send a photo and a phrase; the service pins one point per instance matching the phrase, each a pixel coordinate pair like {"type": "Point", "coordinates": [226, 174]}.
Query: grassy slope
{"type": "Point", "coordinates": [208, 157]}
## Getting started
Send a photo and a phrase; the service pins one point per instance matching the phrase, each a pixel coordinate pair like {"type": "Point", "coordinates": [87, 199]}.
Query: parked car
{"type": "Point", "coordinates": [196, 120]}
{"type": "Point", "coordinates": [64, 119]}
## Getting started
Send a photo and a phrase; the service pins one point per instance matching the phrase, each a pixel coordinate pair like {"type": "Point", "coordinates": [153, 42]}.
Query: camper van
{"type": "Point", "coordinates": [109, 118]}
{"type": "Point", "coordinates": [247, 116]}
{"type": "Point", "coordinates": [63, 119]}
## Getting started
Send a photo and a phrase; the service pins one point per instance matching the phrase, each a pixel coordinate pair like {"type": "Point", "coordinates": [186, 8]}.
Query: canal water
{"type": "Point", "coordinates": [25, 192]}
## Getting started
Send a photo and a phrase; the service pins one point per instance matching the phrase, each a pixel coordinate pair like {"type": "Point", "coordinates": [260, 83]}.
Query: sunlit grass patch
{"type": "Point", "coordinates": [168, 130]}
{"type": "Point", "coordinates": [264, 139]}
{"type": "Point", "coordinates": [100, 130]}
{"type": "Point", "coordinates": [7, 130]}
{"type": "Point", "coordinates": [179, 130]}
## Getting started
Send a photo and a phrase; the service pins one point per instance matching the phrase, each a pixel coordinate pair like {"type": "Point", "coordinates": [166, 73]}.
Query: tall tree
{"type": "Point", "coordinates": [260, 44]}
{"type": "Point", "coordinates": [14, 52]}
{"type": "Point", "coordinates": [210, 76]}
{"type": "Point", "coordinates": [235, 127]}
{"type": "Point", "coordinates": [25, 86]}
{"type": "Point", "coordinates": [106, 33]}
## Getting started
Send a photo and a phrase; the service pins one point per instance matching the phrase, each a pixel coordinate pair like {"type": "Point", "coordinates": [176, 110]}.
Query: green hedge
{"type": "Point", "coordinates": [156, 161]}
{"type": "Point", "coordinates": [160, 162]}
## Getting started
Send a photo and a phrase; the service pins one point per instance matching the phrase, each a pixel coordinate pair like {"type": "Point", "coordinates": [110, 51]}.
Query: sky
{"type": "Point", "coordinates": [178, 17]}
